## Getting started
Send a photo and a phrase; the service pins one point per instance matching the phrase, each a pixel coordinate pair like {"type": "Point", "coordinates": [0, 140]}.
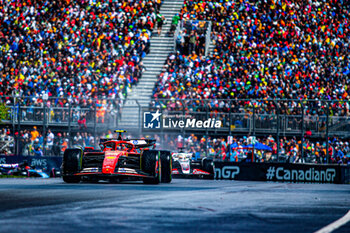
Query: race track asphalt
{"type": "Point", "coordinates": [50, 205]}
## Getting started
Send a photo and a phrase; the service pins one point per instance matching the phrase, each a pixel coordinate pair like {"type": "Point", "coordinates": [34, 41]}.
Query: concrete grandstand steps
{"type": "Point", "coordinates": [162, 42]}
{"type": "Point", "coordinates": [158, 54]}
{"type": "Point", "coordinates": [149, 70]}
{"type": "Point", "coordinates": [172, 3]}
{"type": "Point", "coordinates": [211, 48]}
{"type": "Point", "coordinates": [166, 43]}
{"type": "Point", "coordinates": [147, 78]}
{"type": "Point", "coordinates": [161, 46]}
{"type": "Point", "coordinates": [162, 49]}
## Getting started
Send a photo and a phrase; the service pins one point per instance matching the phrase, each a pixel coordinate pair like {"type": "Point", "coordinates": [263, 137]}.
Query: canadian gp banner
{"type": "Point", "coordinates": [44, 163]}
{"type": "Point", "coordinates": [284, 172]}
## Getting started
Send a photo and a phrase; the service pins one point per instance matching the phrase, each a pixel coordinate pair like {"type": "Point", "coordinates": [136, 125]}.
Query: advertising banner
{"type": "Point", "coordinates": [44, 163]}
{"type": "Point", "coordinates": [283, 172]}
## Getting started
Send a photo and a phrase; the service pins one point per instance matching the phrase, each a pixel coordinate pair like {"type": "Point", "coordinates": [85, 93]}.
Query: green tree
{"type": "Point", "coordinates": [4, 112]}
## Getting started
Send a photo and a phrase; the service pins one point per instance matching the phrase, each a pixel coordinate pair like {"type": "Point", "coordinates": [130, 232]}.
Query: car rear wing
{"type": "Point", "coordinates": [141, 143]}
{"type": "Point", "coordinates": [138, 143]}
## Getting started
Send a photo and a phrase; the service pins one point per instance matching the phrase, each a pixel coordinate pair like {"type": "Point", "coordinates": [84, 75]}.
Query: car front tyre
{"type": "Point", "coordinates": [151, 164]}
{"type": "Point", "coordinates": [71, 165]}
{"type": "Point", "coordinates": [166, 161]}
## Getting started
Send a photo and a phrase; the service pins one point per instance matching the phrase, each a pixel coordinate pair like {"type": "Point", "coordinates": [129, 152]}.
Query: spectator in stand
{"type": "Point", "coordinates": [38, 151]}
{"type": "Point", "coordinates": [174, 23]}
{"type": "Point", "coordinates": [6, 141]}
{"type": "Point", "coordinates": [78, 139]}
{"type": "Point", "coordinates": [64, 145]}
{"type": "Point", "coordinates": [49, 143]}
{"type": "Point", "coordinates": [160, 21]}
{"type": "Point", "coordinates": [56, 149]}
{"type": "Point", "coordinates": [158, 3]}
{"type": "Point", "coordinates": [109, 135]}
{"type": "Point", "coordinates": [82, 121]}
{"type": "Point", "coordinates": [34, 133]}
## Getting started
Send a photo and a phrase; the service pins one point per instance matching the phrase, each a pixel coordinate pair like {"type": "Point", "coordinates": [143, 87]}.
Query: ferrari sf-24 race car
{"type": "Point", "coordinates": [117, 160]}
{"type": "Point", "coordinates": [184, 165]}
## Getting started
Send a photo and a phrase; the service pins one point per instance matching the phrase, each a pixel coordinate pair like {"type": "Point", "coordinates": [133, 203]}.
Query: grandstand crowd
{"type": "Point", "coordinates": [263, 50]}
{"type": "Point", "coordinates": [74, 51]}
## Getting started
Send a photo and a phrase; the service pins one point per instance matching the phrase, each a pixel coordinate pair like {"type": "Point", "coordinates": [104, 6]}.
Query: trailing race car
{"type": "Point", "coordinates": [117, 160]}
{"type": "Point", "coordinates": [185, 165]}
{"type": "Point", "coordinates": [21, 169]}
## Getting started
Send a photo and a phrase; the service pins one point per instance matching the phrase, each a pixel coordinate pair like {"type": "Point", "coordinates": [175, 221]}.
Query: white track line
{"type": "Point", "coordinates": [335, 225]}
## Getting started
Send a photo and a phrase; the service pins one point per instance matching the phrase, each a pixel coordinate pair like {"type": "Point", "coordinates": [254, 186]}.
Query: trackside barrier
{"type": "Point", "coordinates": [44, 163]}
{"type": "Point", "coordinates": [283, 172]}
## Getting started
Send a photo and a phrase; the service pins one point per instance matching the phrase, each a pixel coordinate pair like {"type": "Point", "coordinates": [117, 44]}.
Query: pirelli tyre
{"type": "Point", "coordinates": [166, 161]}
{"type": "Point", "coordinates": [72, 159]}
{"type": "Point", "coordinates": [151, 164]}
{"type": "Point", "coordinates": [208, 165]}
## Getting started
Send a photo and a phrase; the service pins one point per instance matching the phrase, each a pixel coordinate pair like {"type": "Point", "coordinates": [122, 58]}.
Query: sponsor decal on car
{"type": "Point", "coordinates": [185, 166]}
{"type": "Point", "coordinates": [126, 170]}
{"type": "Point", "coordinates": [110, 161]}
{"type": "Point", "coordinates": [112, 153]}
{"type": "Point", "coordinates": [175, 171]}
{"type": "Point", "coordinates": [200, 172]}
{"type": "Point", "coordinates": [90, 169]}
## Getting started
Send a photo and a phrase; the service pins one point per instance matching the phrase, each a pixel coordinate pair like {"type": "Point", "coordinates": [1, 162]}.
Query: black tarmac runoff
{"type": "Point", "coordinates": [185, 205]}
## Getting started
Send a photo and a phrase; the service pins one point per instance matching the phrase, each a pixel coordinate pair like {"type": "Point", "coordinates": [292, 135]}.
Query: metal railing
{"type": "Point", "coordinates": [65, 115]}
{"type": "Point", "coordinates": [187, 24]}
{"type": "Point", "coordinates": [236, 115]}
{"type": "Point", "coordinates": [318, 119]}
{"type": "Point", "coordinates": [208, 38]}
{"type": "Point", "coordinates": [176, 33]}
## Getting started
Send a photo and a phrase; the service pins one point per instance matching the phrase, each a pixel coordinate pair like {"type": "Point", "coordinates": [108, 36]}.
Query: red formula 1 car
{"type": "Point", "coordinates": [118, 159]}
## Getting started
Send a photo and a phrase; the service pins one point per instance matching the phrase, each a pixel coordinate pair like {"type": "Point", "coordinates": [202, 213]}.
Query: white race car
{"type": "Point", "coordinates": [184, 164]}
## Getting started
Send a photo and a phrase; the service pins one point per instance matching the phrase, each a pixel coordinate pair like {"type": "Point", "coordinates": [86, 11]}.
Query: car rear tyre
{"type": "Point", "coordinates": [208, 165]}
{"type": "Point", "coordinates": [71, 165]}
{"type": "Point", "coordinates": [151, 164]}
{"type": "Point", "coordinates": [166, 161]}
